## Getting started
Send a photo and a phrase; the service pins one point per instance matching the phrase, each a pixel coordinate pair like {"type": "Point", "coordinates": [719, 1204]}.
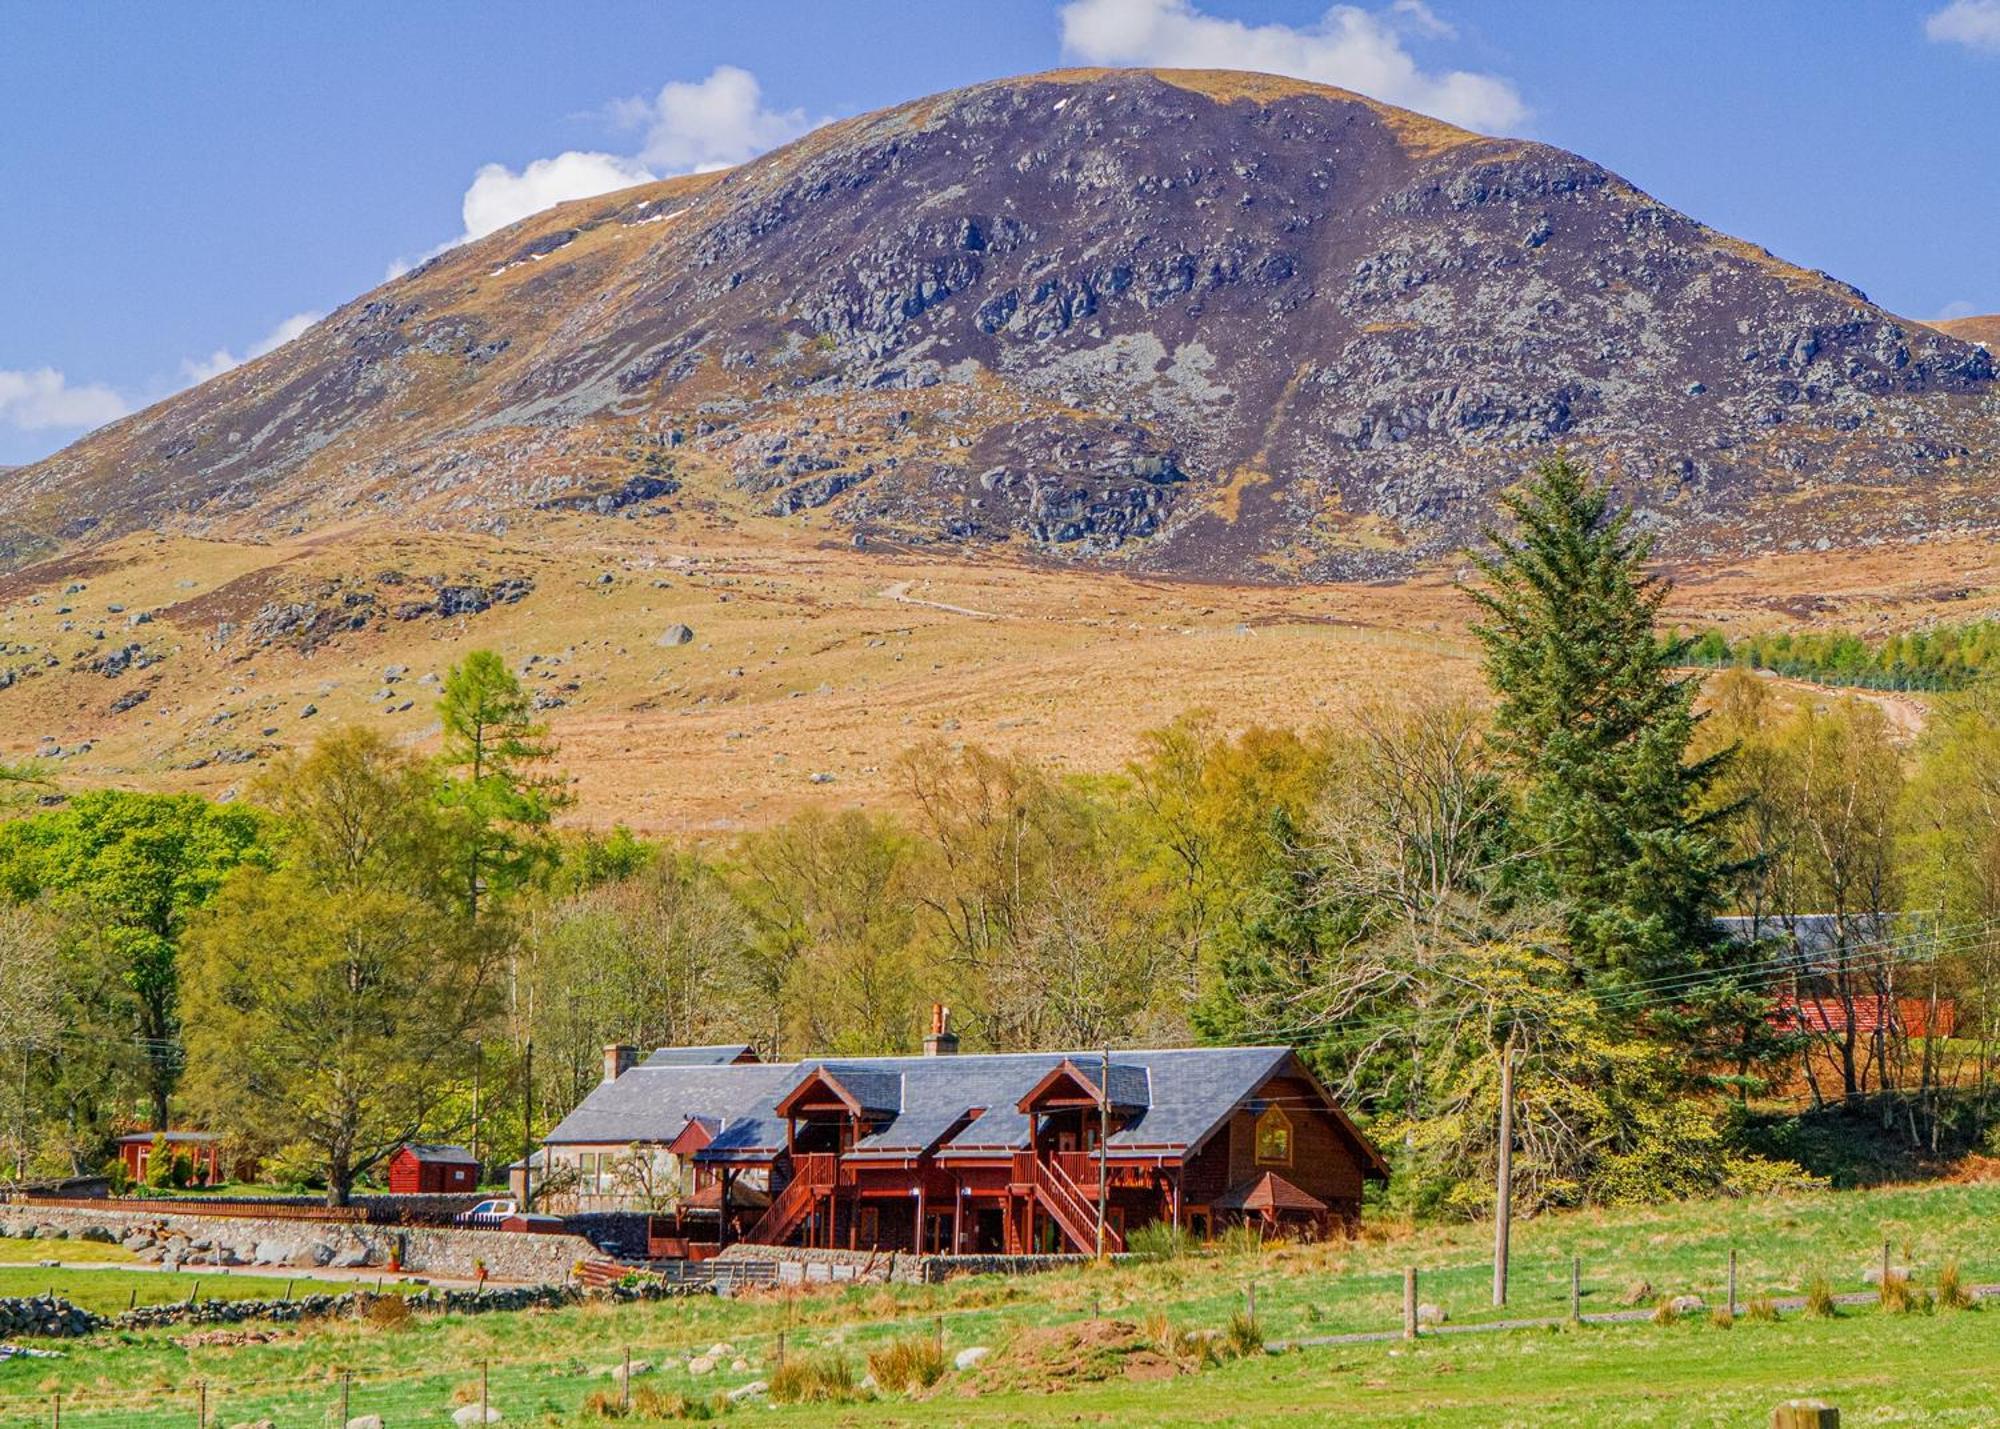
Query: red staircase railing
{"type": "Point", "coordinates": [812, 1176]}
{"type": "Point", "coordinates": [1065, 1201]}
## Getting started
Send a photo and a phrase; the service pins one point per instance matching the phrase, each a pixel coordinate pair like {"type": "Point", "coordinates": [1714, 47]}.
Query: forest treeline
{"type": "Point", "coordinates": [1942, 657]}
{"type": "Point", "coordinates": [376, 946]}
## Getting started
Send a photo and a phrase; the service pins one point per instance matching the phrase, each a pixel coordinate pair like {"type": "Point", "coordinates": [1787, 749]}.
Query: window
{"type": "Point", "coordinates": [871, 1225]}
{"type": "Point", "coordinates": [1274, 1138]}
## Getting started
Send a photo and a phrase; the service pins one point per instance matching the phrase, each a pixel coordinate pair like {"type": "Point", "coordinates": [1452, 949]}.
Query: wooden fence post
{"type": "Point", "coordinates": [1883, 1283]}
{"type": "Point", "coordinates": [1409, 1302]}
{"type": "Point", "coordinates": [485, 1414]}
{"type": "Point", "coordinates": [628, 1380]}
{"type": "Point", "coordinates": [1576, 1289]}
{"type": "Point", "coordinates": [1250, 1301]}
{"type": "Point", "coordinates": [1805, 1414]}
{"type": "Point", "coordinates": [201, 1404]}
{"type": "Point", "coordinates": [346, 1384]}
{"type": "Point", "coordinates": [1732, 1282]}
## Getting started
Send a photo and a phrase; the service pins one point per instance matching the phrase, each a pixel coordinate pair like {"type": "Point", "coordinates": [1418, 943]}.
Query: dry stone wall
{"type": "Point", "coordinates": [188, 1241]}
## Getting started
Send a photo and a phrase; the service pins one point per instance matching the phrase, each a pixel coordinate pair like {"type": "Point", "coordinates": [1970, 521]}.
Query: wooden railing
{"type": "Point", "coordinates": [1064, 1200]}
{"type": "Point", "coordinates": [812, 1175]}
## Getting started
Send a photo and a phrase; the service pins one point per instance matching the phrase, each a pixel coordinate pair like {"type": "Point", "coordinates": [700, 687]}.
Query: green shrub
{"type": "Point", "coordinates": [1242, 1240]}
{"type": "Point", "coordinates": [1242, 1338]}
{"type": "Point", "coordinates": [1161, 1240]}
{"type": "Point", "coordinates": [806, 1379]}
{"type": "Point", "coordinates": [913, 1362]}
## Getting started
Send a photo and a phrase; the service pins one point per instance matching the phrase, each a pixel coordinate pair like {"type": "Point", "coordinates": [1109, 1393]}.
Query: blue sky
{"type": "Point", "coordinates": [187, 184]}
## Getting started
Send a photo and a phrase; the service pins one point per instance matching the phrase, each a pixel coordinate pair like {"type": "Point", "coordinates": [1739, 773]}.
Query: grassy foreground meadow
{"type": "Point", "coordinates": [1083, 1346]}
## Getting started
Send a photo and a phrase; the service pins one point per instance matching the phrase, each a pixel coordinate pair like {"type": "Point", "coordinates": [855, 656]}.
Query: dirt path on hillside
{"type": "Point", "coordinates": [900, 592]}
{"type": "Point", "coordinates": [1906, 714]}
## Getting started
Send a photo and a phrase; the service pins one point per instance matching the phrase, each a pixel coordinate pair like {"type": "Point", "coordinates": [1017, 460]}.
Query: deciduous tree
{"type": "Point", "coordinates": [333, 997]}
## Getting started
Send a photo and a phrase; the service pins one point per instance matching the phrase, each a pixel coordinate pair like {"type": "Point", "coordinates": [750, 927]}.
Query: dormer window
{"type": "Point", "coordinates": [1274, 1138]}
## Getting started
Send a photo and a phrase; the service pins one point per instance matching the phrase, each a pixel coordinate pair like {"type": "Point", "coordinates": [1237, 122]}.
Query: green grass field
{"type": "Point", "coordinates": [541, 1367]}
{"type": "Point", "coordinates": [107, 1286]}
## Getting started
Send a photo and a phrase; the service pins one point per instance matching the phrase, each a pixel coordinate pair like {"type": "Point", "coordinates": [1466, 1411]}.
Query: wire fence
{"type": "Point", "coordinates": [581, 1368]}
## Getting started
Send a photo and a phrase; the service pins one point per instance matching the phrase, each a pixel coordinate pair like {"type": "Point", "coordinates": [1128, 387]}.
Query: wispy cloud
{"type": "Point", "coordinates": [1349, 46]}
{"type": "Point", "coordinates": [45, 400]}
{"type": "Point", "coordinates": [200, 369]}
{"type": "Point", "coordinates": [1972, 23]}
{"type": "Point", "coordinates": [688, 127]}
{"type": "Point", "coordinates": [42, 399]}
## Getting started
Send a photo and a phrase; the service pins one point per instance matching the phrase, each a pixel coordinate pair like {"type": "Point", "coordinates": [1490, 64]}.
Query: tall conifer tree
{"type": "Point", "coordinates": [1595, 724]}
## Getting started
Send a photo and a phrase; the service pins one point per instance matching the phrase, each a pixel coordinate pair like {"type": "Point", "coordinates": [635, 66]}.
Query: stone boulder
{"type": "Point", "coordinates": [676, 635]}
{"type": "Point", "coordinates": [970, 1357]}
{"type": "Point", "coordinates": [473, 1414]}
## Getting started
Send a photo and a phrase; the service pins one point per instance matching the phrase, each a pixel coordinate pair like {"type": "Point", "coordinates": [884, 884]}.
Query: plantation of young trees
{"type": "Point", "coordinates": [368, 949]}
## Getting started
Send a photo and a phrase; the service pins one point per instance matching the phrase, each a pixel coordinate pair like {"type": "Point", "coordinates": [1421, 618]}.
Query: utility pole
{"type": "Point", "coordinates": [1103, 1136]}
{"type": "Point", "coordinates": [1503, 1196]}
{"type": "Point", "coordinates": [528, 1127]}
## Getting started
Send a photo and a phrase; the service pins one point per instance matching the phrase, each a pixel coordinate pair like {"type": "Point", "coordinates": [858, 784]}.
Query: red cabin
{"type": "Point", "coordinates": [203, 1150]}
{"type": "Point", "coordinates": [432, 1170]}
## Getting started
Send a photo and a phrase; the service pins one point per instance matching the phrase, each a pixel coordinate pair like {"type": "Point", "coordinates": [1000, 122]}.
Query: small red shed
{"type": "Point", "coordinates": [429, 1170]}
{"type": "Point", "coordinates": [203, 1150]}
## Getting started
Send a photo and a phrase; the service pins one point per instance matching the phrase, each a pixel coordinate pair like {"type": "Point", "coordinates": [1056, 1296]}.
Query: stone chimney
{"type": "Point", "coordinates": [942, 1041]}
{"type": "Point", "coordinates": [619, 1058]}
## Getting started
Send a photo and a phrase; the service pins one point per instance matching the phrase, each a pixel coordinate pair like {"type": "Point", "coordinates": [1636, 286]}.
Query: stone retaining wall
{"type": "Point", "coordinates": [797, 1265]}
{"type": "Point", "coordinates": [188, 1241]}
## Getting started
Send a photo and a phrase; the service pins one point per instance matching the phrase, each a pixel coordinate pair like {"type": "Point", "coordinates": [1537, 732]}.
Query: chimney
{"type": "Point", "coordinates": [942, 1041]}
{"type": "Point", "coordinates": [619, 1058]}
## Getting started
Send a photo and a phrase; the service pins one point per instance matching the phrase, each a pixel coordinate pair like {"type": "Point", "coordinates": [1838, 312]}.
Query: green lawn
{"type": "Point", "coordinates": [547, 1363]}
{"type": "Point", "coordinates": [29, 1252]}
{"type": "Point", "coordinates": [111, 1288]}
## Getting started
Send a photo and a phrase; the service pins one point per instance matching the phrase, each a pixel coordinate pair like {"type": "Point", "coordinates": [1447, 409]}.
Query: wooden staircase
{"type": "Point", "coordinates": [812, 1177]}
{"type": "Point", "coordinates": [1067, 1205]}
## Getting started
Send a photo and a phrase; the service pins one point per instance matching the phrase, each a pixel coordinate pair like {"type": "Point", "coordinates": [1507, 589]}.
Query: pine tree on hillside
{"type": "Point", "coordinates": [1595, 725]}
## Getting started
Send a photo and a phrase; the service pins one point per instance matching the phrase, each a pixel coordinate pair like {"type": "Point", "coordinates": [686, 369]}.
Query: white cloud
{"type": "Point", "coordinates": [715, 124]}
{"type": "Point", "coordinates": [689, 127]}
{"type": "Point", "coordinates": [1972, 23]}
{"type": "Point", "coordinates": [43, 398]}
{"type": "Point", "coordinates": [1348, 46]}
{"type": "Point", "coordinates": [499, 196]}
{"type": "Point", "coordinates": [200, 369]}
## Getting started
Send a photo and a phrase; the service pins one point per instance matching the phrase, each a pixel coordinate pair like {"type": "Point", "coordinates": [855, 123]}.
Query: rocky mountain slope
{"type": "Point", "coordinates": [1196, 323]}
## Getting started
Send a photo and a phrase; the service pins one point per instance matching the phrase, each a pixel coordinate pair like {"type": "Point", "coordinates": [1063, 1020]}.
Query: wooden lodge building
{"type": "Point", "coordinates": [986, 1153]}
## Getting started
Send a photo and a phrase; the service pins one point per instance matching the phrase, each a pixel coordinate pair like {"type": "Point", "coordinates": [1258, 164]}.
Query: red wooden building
{"type": "Point", "coordinates": [432, 1170]}
{"type": "Point", "coordinates": [203, 1150]}
{"type": "Point", "coordinates": [988, 1153]}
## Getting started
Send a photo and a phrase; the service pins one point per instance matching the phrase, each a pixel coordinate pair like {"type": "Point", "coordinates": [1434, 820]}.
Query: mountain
{"type": "Point", "coordinates": [1195, 323]}
{"type": "Point", "coordinates": [1980, 329]}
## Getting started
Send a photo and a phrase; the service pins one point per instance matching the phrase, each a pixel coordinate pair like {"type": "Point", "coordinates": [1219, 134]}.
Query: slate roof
{"type": "Point", "coordinates": [654, 1100]}
{"type": "Point", "coordinates": [1178, 1098]}
{"type": "Point", "coordinates": [1817, 940]}
{"type": "Point", "coordinates": [716, 1055]}
{"type": "Point", "coordinates": [441, 1155]}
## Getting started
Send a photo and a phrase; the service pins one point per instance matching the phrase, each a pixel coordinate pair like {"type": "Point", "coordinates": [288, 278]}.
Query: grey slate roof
{"type": "Point", "coordinates": [442, 1155]}
{"type": "Point", "coordinates": [719, 1054]}
{"type": "Point", "coordinates": [652, 1102]}
{"type": "Point", "coordinates": [1818, 941]}
{"type": "Point", "coordinates": [1177, 1098]}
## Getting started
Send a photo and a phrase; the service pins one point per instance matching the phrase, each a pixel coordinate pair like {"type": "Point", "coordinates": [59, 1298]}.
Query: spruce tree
{"type": "Point", "coordinates": [1595, 725]}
